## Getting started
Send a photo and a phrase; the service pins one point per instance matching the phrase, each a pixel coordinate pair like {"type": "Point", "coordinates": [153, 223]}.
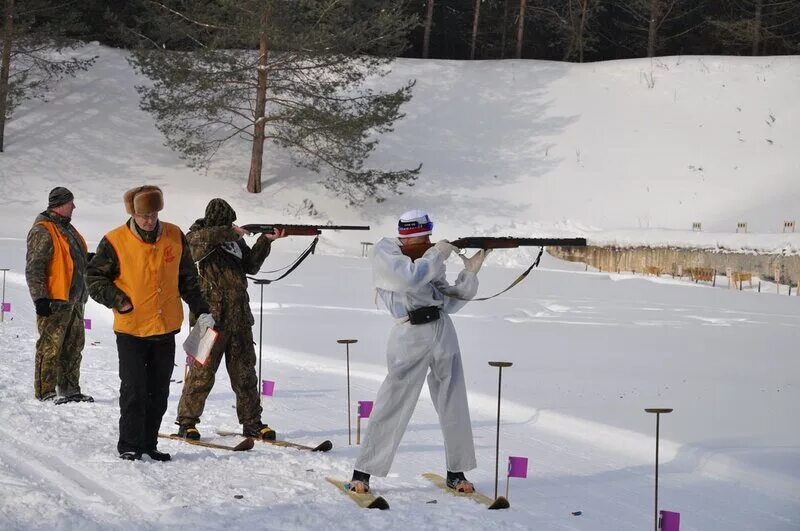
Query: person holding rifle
{"type": "Point", "coordinates": [224, 260]}
{"type": "Point", "coordinates": [422, 342]}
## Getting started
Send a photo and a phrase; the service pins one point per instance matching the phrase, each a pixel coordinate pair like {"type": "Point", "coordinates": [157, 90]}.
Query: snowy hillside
{"type": "Point", "coordinates": [503, 144]}
{"type": "Point", "coordinates": [519, 147]}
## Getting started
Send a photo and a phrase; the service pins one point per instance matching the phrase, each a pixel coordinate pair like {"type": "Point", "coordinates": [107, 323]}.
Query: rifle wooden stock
{"type": "Point", "coordinates": [299, 230]}
{"type": "Point", "coordinates": [416, 250]}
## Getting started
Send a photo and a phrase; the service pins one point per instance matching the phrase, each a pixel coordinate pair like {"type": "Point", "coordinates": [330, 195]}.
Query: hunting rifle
{"type": "Point", "coordinates": [299, 230]}
{"type": "Point", "coordinates": [415, 251]}
{"type": "Point", "coordinates": [296, 230]}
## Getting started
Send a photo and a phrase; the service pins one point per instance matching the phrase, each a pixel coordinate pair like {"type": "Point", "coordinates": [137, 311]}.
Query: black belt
{"type": "Point", "coordinates": [428, 314]}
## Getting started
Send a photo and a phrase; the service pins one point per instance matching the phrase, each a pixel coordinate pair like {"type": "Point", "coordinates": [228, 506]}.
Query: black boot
{"type": "Point", "coordinates": [131, 456]}
{"type": "Point", "coordinates": [188, 432]}
{"type": "Point", "coordinates": [155, 455]}
{"type": "Point", "coordinates": [458, 482]}
{"type": "Point", "coordinates": [259, 431]}
{"type": "Point", "coordinates": [361, 477]}
{"type": "Point", "coordinates": [80, 397]}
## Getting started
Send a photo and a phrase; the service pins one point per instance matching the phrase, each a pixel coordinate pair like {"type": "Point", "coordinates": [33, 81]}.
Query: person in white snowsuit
{"type": "Point", "coordinates": [423, 339]}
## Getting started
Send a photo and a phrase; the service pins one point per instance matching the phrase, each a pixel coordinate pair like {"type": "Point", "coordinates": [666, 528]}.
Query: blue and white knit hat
{"type": "Point", "coordinates": [414, 223]}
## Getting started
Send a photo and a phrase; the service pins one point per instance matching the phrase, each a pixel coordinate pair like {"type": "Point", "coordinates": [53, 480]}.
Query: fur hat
{"type": "Point", "coordinates": [59, 196]}
{"type": "Point", "coordinates": [414, 223]}
{"type": "Point", "coordinates": [143, 200]}
{"type": "Point", "coordinates": [219, 213]}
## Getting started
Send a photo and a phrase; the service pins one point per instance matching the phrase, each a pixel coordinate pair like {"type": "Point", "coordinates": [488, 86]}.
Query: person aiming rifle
{"type": "Point", "coordinates": [224, 259]}
{"type": "Point", "coordinates": [422, 342]}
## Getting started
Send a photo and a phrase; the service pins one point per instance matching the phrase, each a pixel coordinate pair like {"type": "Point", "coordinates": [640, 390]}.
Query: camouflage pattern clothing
{"type": "Point", "coordinates": [224, 259]}
{"type": "Point", "coordinates": [57, 369]}
{"type": "Point", "coordinates": [61, 334]}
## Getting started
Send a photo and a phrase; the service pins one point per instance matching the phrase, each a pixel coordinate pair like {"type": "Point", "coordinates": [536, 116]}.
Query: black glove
{"type": "Point", "coordinates": [43, 307]}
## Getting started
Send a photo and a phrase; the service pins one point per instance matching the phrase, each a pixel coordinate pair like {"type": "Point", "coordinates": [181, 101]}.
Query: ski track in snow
{"type": "Point", "coordinates": [575, 464]}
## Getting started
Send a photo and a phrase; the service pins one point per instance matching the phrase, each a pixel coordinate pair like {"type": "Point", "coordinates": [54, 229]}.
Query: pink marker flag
{"type": "Point", "coordinates": [87, 324]}
{"type": "Point", "coordinates": [670, 521]}
{"type": "Point", "coordinates": [267, 387]}
{"type": "Point", "coordinates": [6, 307]}
{"type": "Point", "coordinates": [364, 408]}
{"type": "Point", "coordinates": [517, 467]}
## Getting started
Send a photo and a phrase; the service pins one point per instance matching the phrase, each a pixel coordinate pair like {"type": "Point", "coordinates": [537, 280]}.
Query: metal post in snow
{"type": "Point", "coordinates": [499, 365]}
{"type": "Point", "coordinates": [3, 305]}
{"type": "Point", "coordinates": [347, 343]}
{"type": "Point", "coordinates": [260, 282]}
{"type": "Point", "coordinates": [658, 411]}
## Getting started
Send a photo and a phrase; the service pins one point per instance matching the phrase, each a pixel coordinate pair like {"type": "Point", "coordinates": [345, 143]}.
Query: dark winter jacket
{"type": "Point", "coordinates": [222, 272]}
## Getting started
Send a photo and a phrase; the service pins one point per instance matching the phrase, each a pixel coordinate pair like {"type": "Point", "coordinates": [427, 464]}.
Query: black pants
{"type": "Point", "coordinates": [145, 367]}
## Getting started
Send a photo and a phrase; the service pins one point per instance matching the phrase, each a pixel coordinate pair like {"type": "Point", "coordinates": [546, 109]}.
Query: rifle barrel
{"type": "Point", "coordinates": [268, 227]}
{"type": "Point", "coordinates": [480, 242]}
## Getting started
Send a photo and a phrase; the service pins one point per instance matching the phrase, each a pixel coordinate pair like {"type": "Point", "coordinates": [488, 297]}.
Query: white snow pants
{"type": "Point", "coordinates": [412, 350]}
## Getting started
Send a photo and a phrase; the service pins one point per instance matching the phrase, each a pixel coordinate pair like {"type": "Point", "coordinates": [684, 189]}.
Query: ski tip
{"type": "Point", "coordinates": [245, 445]}
{"type": "Point", "coordinates": [324, 446]}
{"type": "Point", "coordinates": [500, 503]}
{"type": "Point", "coordinates": [379, 503]}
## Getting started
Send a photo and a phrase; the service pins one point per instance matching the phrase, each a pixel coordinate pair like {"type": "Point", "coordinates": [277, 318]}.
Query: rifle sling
{"type": "Point", "coordinates": [517, 281]}
{"type": "Point", "coordinates": [297, 262]}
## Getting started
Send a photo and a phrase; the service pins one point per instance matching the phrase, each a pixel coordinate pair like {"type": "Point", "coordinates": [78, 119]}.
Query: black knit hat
{"type": "Point", "coordinates": [59, 196]}
{"type": "Point", "coordinates": [219, 212]}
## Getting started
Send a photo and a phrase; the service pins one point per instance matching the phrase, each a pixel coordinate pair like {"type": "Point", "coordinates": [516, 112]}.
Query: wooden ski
{"type": "Point", "coordinates": [246, 444]}
{"type": "Point", "coordinates": [324, 446]}
{"type": "Point", "coordinates": [439, 481]}
{"type": "Point", "coordinates": [365, 501]}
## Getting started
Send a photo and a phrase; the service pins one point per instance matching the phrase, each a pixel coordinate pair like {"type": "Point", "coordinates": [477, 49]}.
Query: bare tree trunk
{"type": "Point", "coordinates": [256, 160]}
{"type": "Point", "coordinates": [505, 26]}
{"type": "Point", "coordinates": [520, 28]}
{"type": "Point", "coordinates": [5, 68]}
{"type": "Point", "coordinates": [757, 27]}
{"type": "Point", "coordinates": [581, 27]}
{"type": "Point", "coordinates": [426, 39]}
{"type": "Point", "coordinates": [475, 28]}
{"type": "Point", "coordinates": [652, 28]}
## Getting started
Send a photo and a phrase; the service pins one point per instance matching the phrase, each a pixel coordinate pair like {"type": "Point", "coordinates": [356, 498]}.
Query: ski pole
{"type": "Point", "coordinates": [658, 411]}
{"type": "Point", "coordinates": [499, 365]}
{"type": "Point", "coordinates": [347, 343]}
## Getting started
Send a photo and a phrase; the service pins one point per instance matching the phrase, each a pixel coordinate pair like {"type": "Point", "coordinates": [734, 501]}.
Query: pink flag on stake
{"type": "Point", "coordinates": [670, 521]}
{"type": "Point", "coordinates": [87, 324]}
{"type": "Point", "coordinates": [267, 387]}
{"type": "Point", "coordinates": [517, 467]}
{"type": "Point", "coordinates": [6, 307]}
{"type": "Point", "coordinates": [364, 408]}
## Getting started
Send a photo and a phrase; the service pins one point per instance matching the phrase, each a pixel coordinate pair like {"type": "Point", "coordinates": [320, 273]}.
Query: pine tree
{"type": "Point", "coordinates": [290, 71]}
{"type": "Point", "coordinates": [34, 56]}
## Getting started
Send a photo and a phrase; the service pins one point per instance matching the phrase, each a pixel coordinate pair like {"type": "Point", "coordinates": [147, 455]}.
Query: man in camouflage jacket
{"type": "Point", "coordinates": [224, 259]}
{"type": "Point", "coordinates": [55, 270]}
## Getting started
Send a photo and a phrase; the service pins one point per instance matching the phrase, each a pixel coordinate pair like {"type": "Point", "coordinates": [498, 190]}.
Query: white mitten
{"type": "Point", "coordinates": [445, 247]}
{"type": "Point", "coordinates": [473, 265]}
{"type": "Point", "coordinates": [205, 320]}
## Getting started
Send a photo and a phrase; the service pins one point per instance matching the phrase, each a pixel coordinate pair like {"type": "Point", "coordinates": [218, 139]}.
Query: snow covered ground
{"type": "Point", "coordinates": [590, 350]}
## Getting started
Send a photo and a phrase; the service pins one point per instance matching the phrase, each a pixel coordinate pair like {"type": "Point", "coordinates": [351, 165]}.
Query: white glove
{"type": "Point", "coordinates": [473, 265]}
{"type": "Point", "coordinates": [445, 247]}
{"type": "Point", "coordinates": [205, 320]}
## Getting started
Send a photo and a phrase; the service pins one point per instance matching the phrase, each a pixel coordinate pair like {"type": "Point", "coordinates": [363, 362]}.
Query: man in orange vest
{"type": "Point", "coordinates": [141, 271]}
{"type": "Point", "coordinates": [55, 270]}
